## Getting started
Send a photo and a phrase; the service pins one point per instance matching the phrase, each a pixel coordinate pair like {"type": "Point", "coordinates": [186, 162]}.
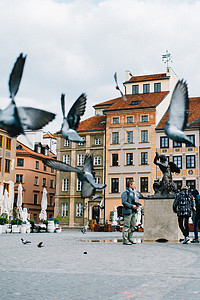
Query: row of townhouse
{"type": "Point", "coordinates": [22, 164]}
{"type": "Point", "coordinates": [123, 138]}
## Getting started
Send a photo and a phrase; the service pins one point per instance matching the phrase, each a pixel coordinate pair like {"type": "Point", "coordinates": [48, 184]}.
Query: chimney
{"type": "Point", "coordinates": [128, 75]}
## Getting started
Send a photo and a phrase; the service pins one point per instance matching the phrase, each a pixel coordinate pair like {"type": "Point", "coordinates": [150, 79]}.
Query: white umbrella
{"type": "Point", "coordinates": [19, 201]}
{"type": "Point", "coordinates": [1, 198]}
{"type": "Point", "coordinates": [11, 196]}
{"type": "Point", "coordinates": [5, 202]}
{"type": "Point", "coordinates": [43, 213]}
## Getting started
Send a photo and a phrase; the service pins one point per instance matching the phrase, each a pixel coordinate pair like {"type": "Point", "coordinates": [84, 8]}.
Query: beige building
{"type": "Point", "coordinates": [7, 165]}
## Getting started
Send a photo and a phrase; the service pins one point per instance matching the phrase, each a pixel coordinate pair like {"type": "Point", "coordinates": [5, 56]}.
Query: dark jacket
{"type": "Point", "coordinates": [128, 200]}
{"type": "Point", "coordinates": [183, 203]}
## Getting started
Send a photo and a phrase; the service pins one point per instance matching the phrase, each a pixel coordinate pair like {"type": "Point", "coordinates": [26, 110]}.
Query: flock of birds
{"type": "Point", "coordinates": [16, 120]}
{"type": "Point", "coordinates": [40, 245]}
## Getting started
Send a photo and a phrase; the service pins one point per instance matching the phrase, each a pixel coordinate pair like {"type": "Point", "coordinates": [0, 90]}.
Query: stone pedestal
{"type": "Point", "coordinates": [160, 222]}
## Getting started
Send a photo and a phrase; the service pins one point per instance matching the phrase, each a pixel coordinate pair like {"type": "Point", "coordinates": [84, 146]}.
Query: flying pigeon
{"type": "Point", "coordinates": [95, 197]}
{"type": "Point", "coordinates": [178, 114]}
{"type": "Point", "coordinates": [101, 204]}
{"type": "Point", "coordinates": [15, 120]}
{"type": "Point", "coordinates": [117, 87]}
{"type": "Point", "coordinates": [86, 176]}
{"type": "Point", "coordinates": [25, 241]}
{"type": "Point", "coordinates": [83, 230]}
{"type": "Point", "coordinates": [40, 245]}
{"type": "Point", "coordinates": [71, 121]}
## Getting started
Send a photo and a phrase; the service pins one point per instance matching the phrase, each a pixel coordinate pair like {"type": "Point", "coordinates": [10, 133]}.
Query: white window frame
{"type": "Point", "coordinates": [80, 159]}
{"type": "Point", "coordinates": [64, 210]}
{"type": "Point", "coordinates": [79, 210]}
{"type": "Point", "coordinates": [97, 160]}
{"type": "Point", "coordinates": [65, 185]}
{"type": "Point", "coordinates": [97, 141]}
{"type": "Point", "coordinates": [78, 187]}
{"type": "Point", "coordinates": [66, 143]}
{"type": "Point", "coordinates": [66, 158]}
{"type": "Point", "coordinates": [97, 180]}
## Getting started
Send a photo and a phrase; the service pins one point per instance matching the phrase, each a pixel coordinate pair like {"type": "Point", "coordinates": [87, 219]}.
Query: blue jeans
{"type": "Point", "coordinates": [196, 225]}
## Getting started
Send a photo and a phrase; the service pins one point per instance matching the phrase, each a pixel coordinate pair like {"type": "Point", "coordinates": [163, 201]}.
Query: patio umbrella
{"type": "Point", "coordinates": [5, 202]}
{"type": "Point", "coordinates": [43, 213]}
{"type": "Point", "coordinates": [1, 198]}
{"type": "Point", "coordinates": [11, 196]}
{"type": "Point", "coordinates": [19, 201]}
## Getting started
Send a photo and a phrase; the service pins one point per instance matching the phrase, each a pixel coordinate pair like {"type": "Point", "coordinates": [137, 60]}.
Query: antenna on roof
{"type": "Point", "coordinates": [167, 58]}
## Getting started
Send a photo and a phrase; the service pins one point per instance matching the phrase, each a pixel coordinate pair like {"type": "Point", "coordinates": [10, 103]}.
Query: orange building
{"type": "Point", "coordinates": [34, 176]}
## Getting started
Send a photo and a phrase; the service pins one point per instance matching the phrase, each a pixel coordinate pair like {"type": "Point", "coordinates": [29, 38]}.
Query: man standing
{"type": "Point", "coordinates": [129, 209]}
{"type": "Point", "coordinates": [183, 205]}
{"type": "Point", "coordinates": [196, 221]}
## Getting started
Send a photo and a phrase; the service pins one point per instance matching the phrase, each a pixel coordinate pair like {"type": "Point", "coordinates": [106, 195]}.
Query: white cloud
{"type": "Point", "coordinates": [76, 46]}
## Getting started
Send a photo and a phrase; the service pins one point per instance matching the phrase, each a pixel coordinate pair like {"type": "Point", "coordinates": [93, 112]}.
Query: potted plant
{"type": "Point", "coordinates": [51, 226]}
{"type": "Point", "coordinates": [23, 227]}
{"type": "Point", "coordinates": [3, 223]}
{"type": "Point", "coordinates": [32, 222]}
{"type": "Point", "coordinates": [15, 225]}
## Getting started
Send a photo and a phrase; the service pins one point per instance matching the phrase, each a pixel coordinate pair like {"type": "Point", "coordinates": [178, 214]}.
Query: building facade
{"type": "Point", "coordinates": [34, 176]}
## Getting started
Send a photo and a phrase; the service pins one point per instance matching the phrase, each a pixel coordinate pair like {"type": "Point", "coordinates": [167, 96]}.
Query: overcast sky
{"type": "Point", "coordinates": [76, 46]}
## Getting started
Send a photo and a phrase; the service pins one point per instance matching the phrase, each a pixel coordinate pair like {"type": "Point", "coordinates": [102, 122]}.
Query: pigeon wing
{"type": "Point", "coordinates": [88, 164]}
{"type": "Point", "coordinates": [179, 105]}
{"type": "Point", "coordinates": [33, 118]}
{"type": "Point", "coordinates": [174, 168]}
{"type": "Point", "coordinates": [77, 110]}
{"type": "Point", "coordinates": [117, 87]}
{"type": "Point", "coordinates": [16, 75]}
{"type": "Point", "coordinates": [87, 189]}
{"type": "Point", "coordinates": [59, 165]}
{"type": "Point", "coordinates": [63, 104]}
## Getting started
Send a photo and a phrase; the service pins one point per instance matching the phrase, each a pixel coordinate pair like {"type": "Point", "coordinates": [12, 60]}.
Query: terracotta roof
{"type": "Point", "coordinates": [49, 135]}
{"type": "Point", "coordinates": [138, 101]}
{"type": "Point", "coordinates": [26, 150]}
{"type": "Point", "coordinates": [147, 78]}
{"type": "Point", "coordinates": [91, 124]}
{"type": "Point", "coordinates": [108, 102]}
{"type": "Point", "coordinates": [194, 108]}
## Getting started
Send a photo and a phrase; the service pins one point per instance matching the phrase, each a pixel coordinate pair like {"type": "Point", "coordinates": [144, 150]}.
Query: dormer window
{"type": "Point", "coordinates": [135, 102]}
{"type": "Point", "coordinates": [46, 151]}
{"type": "Point", "coordinates": [146, 88]}
{"type": "Point", "coordinates": [39, 149]}
{"type": "Point", "coordinates": [116, 120]}
{"type": "Point", "coordinates": [135, 89]}
{"type": "Point", "coordinates": [157, 87]}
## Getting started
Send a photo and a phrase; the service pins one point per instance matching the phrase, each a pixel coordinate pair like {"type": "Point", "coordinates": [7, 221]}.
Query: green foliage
{"type": "Point", "coordinates": [3, 221]}
{"type": "Point", "coordinates": [45, 222]}
{"type": "Point", "coordinates": [56, 220]}
{"type": "Point", "coordinates": [31, 221]}
{"type": "Point", "coordinates": [16, 222]}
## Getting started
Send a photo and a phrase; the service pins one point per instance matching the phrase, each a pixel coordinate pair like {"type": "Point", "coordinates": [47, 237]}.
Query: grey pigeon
{"type": "Point", "coordinates": [40, 245]}
{"type": "Point", "coordinates": [101, 204]}
{"type": "Point", "coordinates": [86, 176]}
{"type": "Point", "coordinates": [25, 241]}
{"type": "Point", "coordinates": [71, 121]}
{"type": "Point", "coordinates": [15, 120]}
{"type": "Point", "coordinates": [95, 197]}
{"type": "Point", "coordinates": [83, 230]}
{"type": "Point", "coordinates": [178, 114]}
{"type": "Point", "coordinates": [117, 87]}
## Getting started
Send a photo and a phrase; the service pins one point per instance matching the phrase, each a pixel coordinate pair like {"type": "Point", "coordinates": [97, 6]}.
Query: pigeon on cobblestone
{"type": "Point", "coordinates": [40, 245]}
{"type": "Point", "coordinates": [86, 176]}
{"type": "Point", "coordinates": [25, 241]}
{"type": "Point", "coordinates": [83, 230]}
{"type": "Point", "coordinates": [178, 114]}
{"type": "Point", "coordinates": [15, 120]}
{"type": "Point", "coordinates": [117, 87]}
{"type": "Point", "coordinates": [71, 121]}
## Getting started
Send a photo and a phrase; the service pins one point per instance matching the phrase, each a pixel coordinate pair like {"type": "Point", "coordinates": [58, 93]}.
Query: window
{"type": "Point", "coordinates": [114, 185]}
{"type": "Point", "coordinates": [35, 199]}
{"type": "Point", "coordinates": [135, 89]}
{"type": "Point", "coordinates": [7, 166]}
{"type": "Point", "coordinates": [44, 167]}
{"type": "Point", "coordinates": [144, 158]}
{"type": "Point", "coordinates": [144, 136]}
{"type": "Point", "coordinates": [164, 142]}
{"type": "Point", "coordinates": [36, 180]}
{"type": "Point", "coordinates": [178, 161]}
{"type": "Point", "coordinates": [19, 178]}
{"type": "Point", "coordinates": [176, 144]}
{"type": "Point", "coordinates": [115, 137]}
{"type": "Point", "coordinates": [66, 143]}
{"type": "Point", "coordinates": [79, 209]}
{"type": "Point", "coordinates": [66, 159]}
{"type": "Point", "coordinates": [78, 185]}
{"type": "Point", "coordinates": [97, 180]}
{"type": "Point", "coordinates": [5, 187]}
{"type": "Point", "coordinates": [80, 159]}
{"type": "Point", "coordinates": [1, 141]}
{"type": "Point", "coordinates": [64, 209]}
{"type": "Point", "coordinates": [130, 119]}
{"type": "Point", "coordinates": [127, 180]}
{"type": "Point", "coordinates": [115, 159]}
{"type": "Point", "coordinates": [51, 183]}
{"type": "Point", "coordinates": [178, 184]}
{"type": "Point", "coordinates": [129, 159]}
{"type": "Point", "coordinates": [97, 160]}
{"type": "Point", "coordinates": [35, 218]}
{"type": "Point", "coordinates": [82, 143]}
{"type": "Point", "coordinates": [192, 139]}
{"type": "Point", "coordinates": [37, 165]}
{"type": "Point", "coordinates": [146, 88]}
{"type": "Point", "coordinates": [8, 143]}
{"type": "Point", "coordinates": [129, 136]}
{"type": "Point", "coordinates": [46, 151]}
{"type": "Point", "coordinates": [190, 161]}
{"type": "Point", "coordinates": [157, 87]}
{"type": "Point", "coordinates": [52, 170]}
{"type": "Point", "coordinates": [116, 120]}
{"type": "Point", "coordinates": [44, 182]}
{"type": "Point", "coordinates": [51, 200]}
{"type": "Point", "coordinates": [65, 185]}
{"type": "Point", "coordinates": [39, 149]}
{"type": "Point", "coordinates": [97, 141]}
{"type": "Point", "coordinates": [145, 118]}
{"type": "Point", "coordinates": [0, 163]}
{"type": "Point", "coordinates": [191, 184]}
{"type": "Point", "coordinates": [20, 162]}
{"type": "Point", "coordinates": [144, 184]}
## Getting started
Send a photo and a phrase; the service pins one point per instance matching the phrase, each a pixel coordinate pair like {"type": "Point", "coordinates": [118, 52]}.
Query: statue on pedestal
{"type": "Point", "coordinates": [165, 187]}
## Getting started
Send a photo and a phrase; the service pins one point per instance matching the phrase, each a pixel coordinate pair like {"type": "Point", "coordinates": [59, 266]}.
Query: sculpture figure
{"type": "Point", "coordinates": [165, 187]}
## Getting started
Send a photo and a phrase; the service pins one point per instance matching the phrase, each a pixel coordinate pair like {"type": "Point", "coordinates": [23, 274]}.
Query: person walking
{"type": "Point", "coordinates": [129, 209]}
{"type": "Point", "coordinates": [182, 206]}
{"type": "Point", "coordinates": [196, 196]}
